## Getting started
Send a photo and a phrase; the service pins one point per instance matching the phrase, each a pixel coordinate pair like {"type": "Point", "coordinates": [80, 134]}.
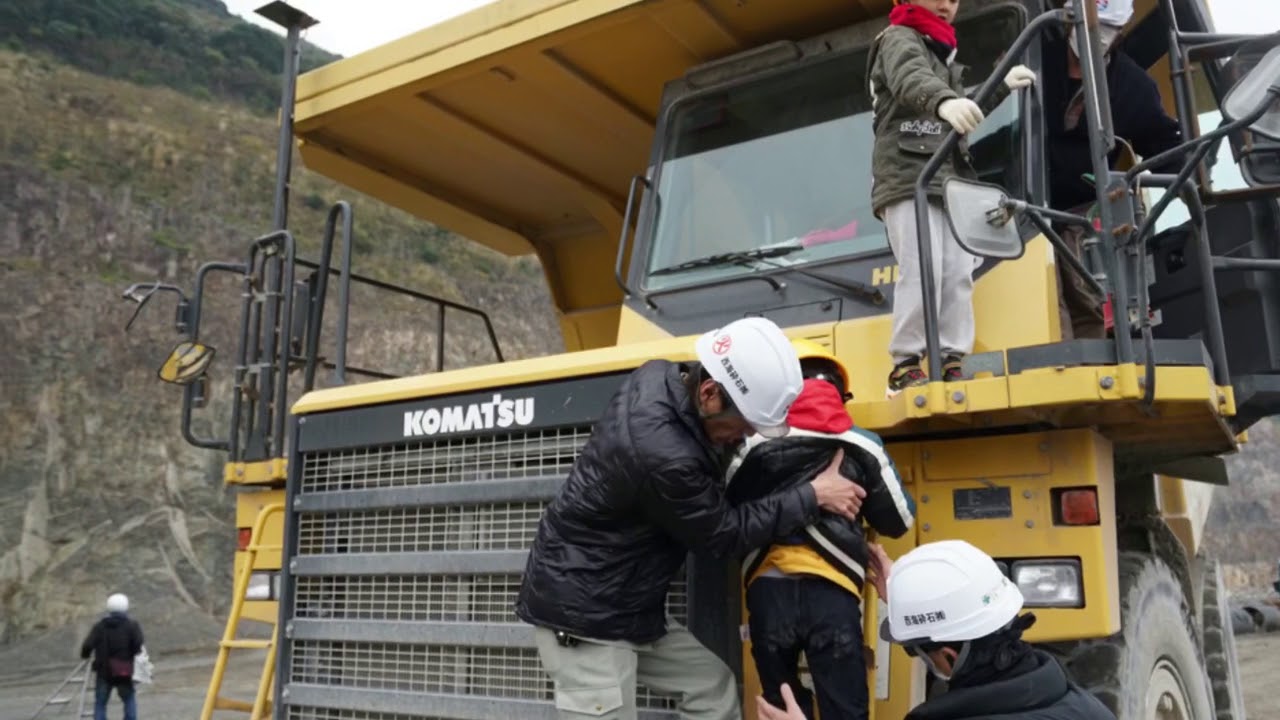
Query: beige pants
{"type": "Point", "coordinates": [597, 679]}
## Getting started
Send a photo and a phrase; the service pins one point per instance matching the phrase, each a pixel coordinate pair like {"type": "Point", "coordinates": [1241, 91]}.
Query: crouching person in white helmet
{"type": "Point", "coordinates": [950, 605]}
{"type": "Point", "coordinates": [646, 491]}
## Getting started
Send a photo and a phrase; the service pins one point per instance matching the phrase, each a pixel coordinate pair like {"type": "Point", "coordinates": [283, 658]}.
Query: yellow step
{"type": "Point", "coordinates": [246, 644]}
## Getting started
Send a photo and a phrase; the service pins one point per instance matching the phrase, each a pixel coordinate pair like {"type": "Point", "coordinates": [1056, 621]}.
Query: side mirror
{"type": "Point", "coordinates": [1259, 86]}
{"type": "Point", "coordinates": [186, 364]}
{"type": "Point", "coordinates": [980, 221]}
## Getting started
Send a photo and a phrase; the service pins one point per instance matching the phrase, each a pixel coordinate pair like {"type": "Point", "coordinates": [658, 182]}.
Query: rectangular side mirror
{"type": "Point", "coordinates": [1259, 86]}
{"type": "Point", "coordinates": [980, 221]}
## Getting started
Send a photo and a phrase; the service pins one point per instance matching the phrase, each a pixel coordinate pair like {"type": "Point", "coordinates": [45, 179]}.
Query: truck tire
{"type": "Point", "coordinates": [1241, 621]}
{"type": "Point", "coordinates": [1220, 646]}
{"type": "Point", "coordinates": [1265, 617]}
{"type": "Point", "coordinates": [1153, 668]}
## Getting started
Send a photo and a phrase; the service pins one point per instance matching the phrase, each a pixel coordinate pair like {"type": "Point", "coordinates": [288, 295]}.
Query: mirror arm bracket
{"type": "Point", "coordinates": [1064, 253]}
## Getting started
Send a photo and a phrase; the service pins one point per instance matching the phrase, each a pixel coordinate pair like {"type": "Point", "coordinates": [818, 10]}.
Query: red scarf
{"type": "Point", "coordinates": [925, 23]}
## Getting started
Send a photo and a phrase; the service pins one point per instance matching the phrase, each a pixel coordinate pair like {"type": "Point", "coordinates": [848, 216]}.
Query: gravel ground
{"type": "Point", "coordinates": [181, 680]}
{"type": "Point", "coordinates": [1259, 657]}
{"type": "Point", "coordinates": [177, 694]}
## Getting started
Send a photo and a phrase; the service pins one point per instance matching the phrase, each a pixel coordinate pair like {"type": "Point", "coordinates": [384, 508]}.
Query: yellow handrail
{"type": "Point", "coordinates": [261, 704]}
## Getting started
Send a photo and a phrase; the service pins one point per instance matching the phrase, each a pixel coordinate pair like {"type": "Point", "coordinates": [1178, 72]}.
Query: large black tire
{"type": "Point", "coordinates": [1153, 668]}
{"type": "Point", "coordinates": [1220, 646]}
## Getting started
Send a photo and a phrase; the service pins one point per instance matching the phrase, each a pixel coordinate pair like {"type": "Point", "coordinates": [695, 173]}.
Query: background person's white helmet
{"type": "Point", "coordinates": [949, 591]}
{"type": "Point", "coordinates": [118, 603]}
{"type": "Point", "coordinates": [759, 369]}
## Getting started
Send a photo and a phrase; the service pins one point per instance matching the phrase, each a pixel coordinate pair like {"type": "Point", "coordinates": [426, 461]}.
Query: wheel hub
{"type": "Point", "coordinates": [1167, 697]}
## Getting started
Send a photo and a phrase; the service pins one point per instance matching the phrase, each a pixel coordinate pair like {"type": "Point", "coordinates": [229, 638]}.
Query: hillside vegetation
{"type": "Point", "coordinates": [193, 46]}
{"type": "Point", "coordinates": [109, 181]}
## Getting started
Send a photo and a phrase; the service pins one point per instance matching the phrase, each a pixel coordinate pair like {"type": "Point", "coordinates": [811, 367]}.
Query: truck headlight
{"type": "Point", "coordinates": [263, 585]}
{"type": "Point", "coordinates": [1049, 583]}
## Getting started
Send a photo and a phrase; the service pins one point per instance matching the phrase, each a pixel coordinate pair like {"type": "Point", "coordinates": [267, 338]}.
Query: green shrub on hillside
{"type": "Point", "coordinates": [194, 46]}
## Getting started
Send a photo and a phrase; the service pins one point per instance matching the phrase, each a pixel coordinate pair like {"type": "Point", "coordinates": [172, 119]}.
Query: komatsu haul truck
{"type": "Point", "coordinates": [663, 160]}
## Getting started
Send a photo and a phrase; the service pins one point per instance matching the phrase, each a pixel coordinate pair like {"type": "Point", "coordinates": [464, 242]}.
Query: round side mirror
{"type": "Point", "coordinates": [186, 364]}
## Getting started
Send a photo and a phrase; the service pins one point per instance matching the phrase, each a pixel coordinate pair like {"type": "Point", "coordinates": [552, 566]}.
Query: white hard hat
{"type": "Point", "coordinates": [118, 603]}
{"type": "Point", "coordinates": [949, 591]}
{"type": "Point", "coordinates": [759, 369]}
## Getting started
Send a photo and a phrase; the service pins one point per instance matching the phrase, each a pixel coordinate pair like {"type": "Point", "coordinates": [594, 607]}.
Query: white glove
{"type": "Point", "coordinates": [963, 114]}
{"type": "Point", "coordinates": [1019, 77]}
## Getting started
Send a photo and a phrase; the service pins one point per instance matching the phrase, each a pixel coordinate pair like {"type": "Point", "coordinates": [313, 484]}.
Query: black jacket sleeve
{"type": "Point", "coordinates": [1144, 122]}
{"type": "Point", "coordinates": [688, 503]}
{"type": "Point", "coordinates": [90, 642]}
{"type": "Point", "coordinates": [888, 508]}
{"type": "Point", "coordinates": [135, 638]}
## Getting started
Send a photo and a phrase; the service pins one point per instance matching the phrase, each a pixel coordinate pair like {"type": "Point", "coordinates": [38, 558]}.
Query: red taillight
{"type": "Point", "coordinates": [243, 537]}
{"type": "Point", "coordinates": [1079, 507]}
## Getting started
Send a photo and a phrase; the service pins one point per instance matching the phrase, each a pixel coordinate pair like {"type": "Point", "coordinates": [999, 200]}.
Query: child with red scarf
{"type": "Point", "coordinates": [918, 96]}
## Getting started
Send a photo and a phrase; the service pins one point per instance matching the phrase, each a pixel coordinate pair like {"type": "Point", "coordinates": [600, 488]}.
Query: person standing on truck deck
{"type": "Point", "coordinates": [113, 642]}
{"type": "Point", "coordinates": [803, 592]}
{"type": "Point", "coordinates": [917, 91]}
{"type": "Point", "coordinates": [950, 606]}
{"type": "Point", "coordinates": [1138, 118]}
{"type": "Point", "coordinates": [647, 490]}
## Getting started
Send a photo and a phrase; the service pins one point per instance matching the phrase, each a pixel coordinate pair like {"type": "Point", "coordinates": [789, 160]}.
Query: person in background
{"type": "Point", "coordinates": [113, 642]}
{"type": "Point", "coordinates": [1138, 118]}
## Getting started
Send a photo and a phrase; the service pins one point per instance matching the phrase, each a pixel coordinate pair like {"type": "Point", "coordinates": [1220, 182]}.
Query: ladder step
{"type": "Point", "coordinates": [246, 644]}
{"type": "Point", "coordinates": [59, 701]}
{"type": "Point", "coordinates": [222, 703]}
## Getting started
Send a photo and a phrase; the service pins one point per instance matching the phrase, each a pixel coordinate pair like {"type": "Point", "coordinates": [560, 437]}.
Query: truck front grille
{"type": "Point", "coordinates": [361, 609]}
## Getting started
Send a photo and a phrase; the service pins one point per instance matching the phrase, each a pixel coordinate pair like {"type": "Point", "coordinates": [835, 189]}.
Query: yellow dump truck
{"type": "Point", "coordinates": [665, 160]}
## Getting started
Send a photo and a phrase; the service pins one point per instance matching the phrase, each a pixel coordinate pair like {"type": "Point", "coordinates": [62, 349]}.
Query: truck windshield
{"type": "Point", "coordinates": [786, 160]}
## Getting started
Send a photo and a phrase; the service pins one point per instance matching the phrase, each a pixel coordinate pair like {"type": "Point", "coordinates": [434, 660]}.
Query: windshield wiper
{"type": "Point", "coordinates": [763, 255]}
{"type": "Point", "coordinates": [738, 257]}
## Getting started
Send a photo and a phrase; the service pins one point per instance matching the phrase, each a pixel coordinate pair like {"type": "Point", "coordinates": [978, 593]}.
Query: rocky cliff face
{"type": "Point", "coordinates": [106, 183]}
{"type": "Point", "coordinates": [1244, 522]}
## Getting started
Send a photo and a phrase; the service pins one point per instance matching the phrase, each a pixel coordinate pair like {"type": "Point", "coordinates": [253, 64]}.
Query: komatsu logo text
{"type": "Point", "coordinates": [497, 413]}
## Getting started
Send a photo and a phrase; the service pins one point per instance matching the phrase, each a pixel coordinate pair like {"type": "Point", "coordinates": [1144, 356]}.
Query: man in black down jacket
{"type": "Point", "coordinates": [646, 490]}
{"type": "Point", "coordinates": [950, 605]}
{"type": "Point", "coordinates": [113, 642]}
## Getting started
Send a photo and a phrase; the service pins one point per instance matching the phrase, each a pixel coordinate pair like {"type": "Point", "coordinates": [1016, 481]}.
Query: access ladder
{"type": "Point", "coordinates": [261, 706]}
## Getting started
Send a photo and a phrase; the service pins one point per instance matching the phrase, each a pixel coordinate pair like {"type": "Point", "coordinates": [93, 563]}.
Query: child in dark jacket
{"type": "Point", "coordinates": [804, 592]}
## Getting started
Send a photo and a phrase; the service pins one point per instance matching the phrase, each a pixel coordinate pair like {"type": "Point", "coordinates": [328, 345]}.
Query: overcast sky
{"type": "Point", "coordinates": [348, 27]}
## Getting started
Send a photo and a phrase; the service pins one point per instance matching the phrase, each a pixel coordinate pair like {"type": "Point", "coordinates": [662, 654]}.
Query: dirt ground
{"type": "Point", "coordinates": [181, 681]}
{"type": "Point", "coordinates": [177, 694]}
{"type": "Point", "coordinates": [1259, 657]}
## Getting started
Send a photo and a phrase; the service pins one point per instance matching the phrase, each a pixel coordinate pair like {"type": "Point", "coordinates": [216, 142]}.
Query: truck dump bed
{"type": "Point", "coordinates": [520, 124]}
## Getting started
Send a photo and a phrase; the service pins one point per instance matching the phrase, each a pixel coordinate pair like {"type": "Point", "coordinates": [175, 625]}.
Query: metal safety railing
{"type": "Point", "coordinates": [1125, 230]}
{"type": "Point", "coordinates": [281, 332]}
